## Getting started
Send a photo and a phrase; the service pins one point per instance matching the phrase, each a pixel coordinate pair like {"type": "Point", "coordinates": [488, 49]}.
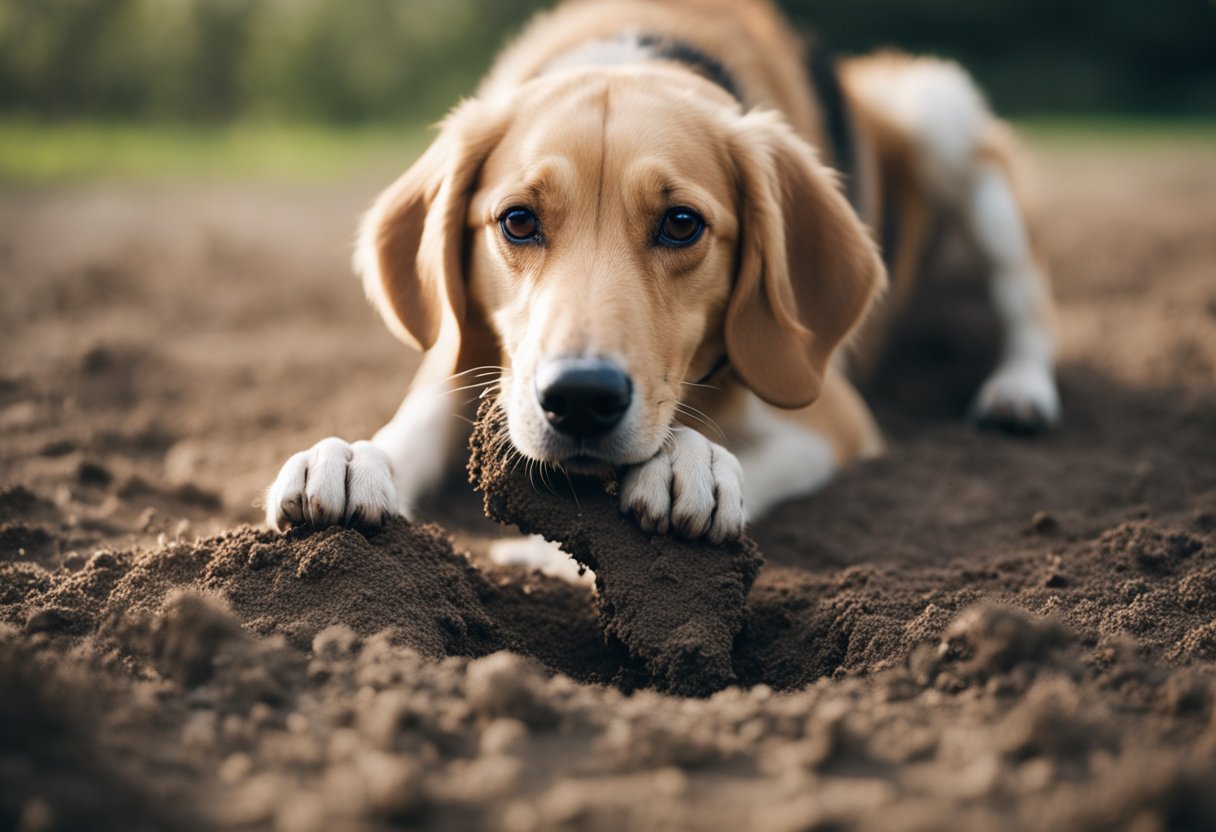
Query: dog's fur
{"type": "Point", "coordinates": [603, 115]}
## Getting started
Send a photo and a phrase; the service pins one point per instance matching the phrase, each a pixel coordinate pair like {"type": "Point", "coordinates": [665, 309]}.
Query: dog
{"type": "Point", "coordinates": [653, 231]}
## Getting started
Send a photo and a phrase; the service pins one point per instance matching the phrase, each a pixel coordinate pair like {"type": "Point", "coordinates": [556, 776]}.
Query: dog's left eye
{"type": "Point", "coordinates": [519, 225]}
{"type": "Point", "coordinates": [680, 227]}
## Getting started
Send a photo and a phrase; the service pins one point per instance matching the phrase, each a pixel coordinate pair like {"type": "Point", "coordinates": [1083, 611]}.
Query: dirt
{"type": "Point", "coordinates": [676, 605]}
{"type": "Point", "coordinates": [974, 631]}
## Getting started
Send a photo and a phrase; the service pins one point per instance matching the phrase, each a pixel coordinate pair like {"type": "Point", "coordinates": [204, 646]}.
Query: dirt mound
{"type": "Point", "coordinates": [406, 580]}
{"type": "Point", "coordinates": [677, 605]}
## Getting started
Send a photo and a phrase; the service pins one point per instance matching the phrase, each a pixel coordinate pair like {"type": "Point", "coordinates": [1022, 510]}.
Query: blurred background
{"type": "Point", "coordinates": [198, 69]}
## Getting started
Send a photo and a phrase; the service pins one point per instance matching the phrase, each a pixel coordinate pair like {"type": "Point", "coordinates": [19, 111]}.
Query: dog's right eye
{"type": "Point", "coordinates": [519, 225]}
{"type": "Point", "coordinates": [680, 227]}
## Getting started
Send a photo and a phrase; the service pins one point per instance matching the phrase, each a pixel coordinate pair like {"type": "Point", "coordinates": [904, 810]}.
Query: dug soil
{"type": "Point", "coordinates": [974, 631]}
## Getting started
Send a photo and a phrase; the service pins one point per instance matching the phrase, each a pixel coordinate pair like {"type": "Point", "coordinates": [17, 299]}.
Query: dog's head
{"type": "Point", "coordinates": [622, 232]}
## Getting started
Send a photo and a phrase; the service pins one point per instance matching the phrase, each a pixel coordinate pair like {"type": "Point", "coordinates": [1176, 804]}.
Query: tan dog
{"type": "Point", "coordinates": [634, 228]}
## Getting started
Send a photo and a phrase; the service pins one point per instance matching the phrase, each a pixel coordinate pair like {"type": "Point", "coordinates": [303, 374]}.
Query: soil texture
{"type": "Point", "coordinates": [973, 631]}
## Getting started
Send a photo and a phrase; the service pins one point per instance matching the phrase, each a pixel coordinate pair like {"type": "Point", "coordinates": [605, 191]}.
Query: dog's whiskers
{"type": "Point", "coordinates": [570, 483]}
{"type": "Point", "coordinates": [544, 477]}
{"type": "Point", "coordinates": [499, 373]}
{"type": "Point", "coordinates": [531, 469]}
{"type": "Point", "coordinates": [699, 415]}
{"type": "Point", "coordinates": [490, 383]}
{"type": "Point", "coordinates": [484, 368]}
{"type": "Point", "coordinates": [516, 458]}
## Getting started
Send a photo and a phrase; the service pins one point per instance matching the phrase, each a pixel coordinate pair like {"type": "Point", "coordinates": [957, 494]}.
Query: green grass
{"type": "Point", "coordinates": [36, 153]}
{"type": "Point", "coordinates": [1119, 132]}
{"type": "Point", "coordinates": [33, 153]}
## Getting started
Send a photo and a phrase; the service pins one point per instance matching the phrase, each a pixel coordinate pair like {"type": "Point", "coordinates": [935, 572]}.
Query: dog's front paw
{"type": "Point", "coordinates": [692, 488]}
{"type": "Point", "coordinates": [1019, 398]}
{"type": "Point", "coordinates": [333, 482]}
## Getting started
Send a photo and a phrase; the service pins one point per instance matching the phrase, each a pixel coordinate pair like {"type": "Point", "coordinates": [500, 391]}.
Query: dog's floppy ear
{"type": "Point", "coordinates": [410, 249]}
{"type": "Point", "coordinates": [807, 268]}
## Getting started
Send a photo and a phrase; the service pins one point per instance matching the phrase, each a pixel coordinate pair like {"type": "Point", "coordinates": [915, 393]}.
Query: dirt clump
{"type": "Point", "coordinates": [677, 605]}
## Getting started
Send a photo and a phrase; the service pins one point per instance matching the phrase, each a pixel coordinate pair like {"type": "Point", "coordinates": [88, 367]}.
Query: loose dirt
{"type": "Point", "coordinates": [974, 631]}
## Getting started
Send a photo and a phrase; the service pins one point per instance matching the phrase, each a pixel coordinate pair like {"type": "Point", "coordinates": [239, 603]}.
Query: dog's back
{"type": "Point", "coordinates": [764, 61]}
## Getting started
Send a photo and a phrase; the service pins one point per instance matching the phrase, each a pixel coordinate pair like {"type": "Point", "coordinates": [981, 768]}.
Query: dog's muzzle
{"type": "Point", "coordinates": [583, 398]}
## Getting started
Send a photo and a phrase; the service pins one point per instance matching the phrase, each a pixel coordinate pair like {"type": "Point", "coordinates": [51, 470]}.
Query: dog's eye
{"type": "Point", "coordinates": [680, 227]}
{"type": "Point", "coordinates": [519, 225]}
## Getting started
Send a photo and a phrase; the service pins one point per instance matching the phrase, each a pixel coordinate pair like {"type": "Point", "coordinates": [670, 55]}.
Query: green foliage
{"type": "Point", "coordinates": [218, 59]}
{"type": "Point", "coordinates": [363, 60]}
{"type": "Point", "coordinates": [1039, 56]}
{"type": "Point", "coordinates": [36, 153]}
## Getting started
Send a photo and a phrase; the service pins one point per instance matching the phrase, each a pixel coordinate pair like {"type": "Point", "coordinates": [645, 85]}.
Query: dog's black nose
{"type": "Point", "coordinates": [583, 397]}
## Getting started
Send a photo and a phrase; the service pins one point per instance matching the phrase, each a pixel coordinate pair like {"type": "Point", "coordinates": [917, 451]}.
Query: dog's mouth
{"type": "Point", "coordinates": [586, 465]}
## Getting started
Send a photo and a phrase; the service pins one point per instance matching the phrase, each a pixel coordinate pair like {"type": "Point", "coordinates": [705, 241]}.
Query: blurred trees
{"type": "Point", "coordinates": [329, 60]}
{"type": "Point", "coordinates": [1035, 56]}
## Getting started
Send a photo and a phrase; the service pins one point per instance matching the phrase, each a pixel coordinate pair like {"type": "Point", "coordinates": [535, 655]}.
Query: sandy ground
{"type": "Point", "coordinates": [974, 631]}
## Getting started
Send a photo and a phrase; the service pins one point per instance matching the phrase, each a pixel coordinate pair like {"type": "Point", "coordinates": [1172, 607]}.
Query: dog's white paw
{"type": "Point", "coordinates": [333, 482]}
{"type": "Point", "coordinates": [692, 488]}
{"type": "Point", "coordinates": [1021, 398]}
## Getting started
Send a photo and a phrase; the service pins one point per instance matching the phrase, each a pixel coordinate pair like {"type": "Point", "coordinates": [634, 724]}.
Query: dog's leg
{"type": "Point", "coordinates": [423, 436]}
{"type": "Point", "coordinates": [791, 461]}
{"type": "Point", "coordinates": [362, 483]}
{"type": "Point", "coordinates": [962, 160]}
{"type": "Point", "coordinates": [1021, 393]}
{"type": "Point", "coordinates": [695, 484]}
{"type": "Point", "coordinates": [787, 454]}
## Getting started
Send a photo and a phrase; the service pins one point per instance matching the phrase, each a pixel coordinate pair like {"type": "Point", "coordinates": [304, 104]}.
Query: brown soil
{"type": "Point", "coordinates": [973, 632]}
{"type": "Point", "coordinates": [676, 606]}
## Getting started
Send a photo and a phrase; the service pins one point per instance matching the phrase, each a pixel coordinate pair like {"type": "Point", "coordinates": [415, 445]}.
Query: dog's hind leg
{"type": "Point", "coordinates": [963, 160]}
{"type": "Point", "coordinates": [1021, 393]}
